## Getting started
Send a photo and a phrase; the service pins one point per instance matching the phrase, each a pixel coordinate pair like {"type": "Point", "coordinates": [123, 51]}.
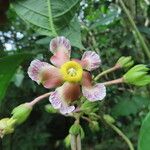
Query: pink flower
{"type": "Point", "coordinates": [69, 76]}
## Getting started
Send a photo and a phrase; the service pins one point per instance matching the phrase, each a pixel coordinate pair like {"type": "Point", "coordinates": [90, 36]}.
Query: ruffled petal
{"type": "Point", "coordinates": [51, 77]}
{"type": "Point", "coordinates": [94, 93]}
{"type": "Point", "coordinates": [44, 73]}
{"type": "Point", "coordinates": [55, 99]}
{"type": "Point", "coordinates": [35, 68]}
{"type": "Point", "coordinates": [86, 79]}
{"type": "Point", "coordinates": [70, 91]}
{"type": "Point", "coordinates": [67, 109]}
{"type": "Point", "coordinates": [60, 43]}
{"type": "Point", "coordinates": [90, 60]}
{"type": "Point", "coordinates": [59, 58]}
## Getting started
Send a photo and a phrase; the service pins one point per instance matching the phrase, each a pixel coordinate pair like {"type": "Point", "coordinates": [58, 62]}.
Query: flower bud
{"type": "Point", "coordinates": [138, 75]}
{"type": "Point", "coordinates": [21, 112]}
{"type": "Point", "coordinates": [6, 126]}
{"type": "Point", "coordinates": [89, 107]}
{"type": "Point", "coordinates": [50, 109]}
{"type": "Point", "coordinates": [94, 126]}
{"type": "Point", "coordinates": [125, 62]}
{"type": "Point", "coordinates": [108, 118]}
{"type": "Point", "coordinates": [76, 129]}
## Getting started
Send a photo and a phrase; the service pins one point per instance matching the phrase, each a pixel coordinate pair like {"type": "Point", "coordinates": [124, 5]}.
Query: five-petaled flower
{"type": "Point", "coordinates": [70, 76]}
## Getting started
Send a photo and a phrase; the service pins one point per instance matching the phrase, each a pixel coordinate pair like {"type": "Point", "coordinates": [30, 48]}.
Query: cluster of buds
{"type": "Point", "coordinates": [19, 115]}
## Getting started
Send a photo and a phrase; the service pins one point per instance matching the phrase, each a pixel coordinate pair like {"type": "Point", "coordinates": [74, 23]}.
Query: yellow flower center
{"type": "Point", "coordinates": [71, 71]}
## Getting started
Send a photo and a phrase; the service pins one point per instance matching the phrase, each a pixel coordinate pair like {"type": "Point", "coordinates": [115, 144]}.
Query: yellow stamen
{"type": "Point", "coordinates": [71, 71]}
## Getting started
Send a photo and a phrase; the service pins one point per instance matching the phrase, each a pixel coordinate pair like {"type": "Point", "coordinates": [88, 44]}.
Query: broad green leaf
{"type": "Point", "coordinates": [144, 136]}
{"type": "Point", "coordinates": [51, 17]}
{"type": "Point", "coordinates": [8, 67]}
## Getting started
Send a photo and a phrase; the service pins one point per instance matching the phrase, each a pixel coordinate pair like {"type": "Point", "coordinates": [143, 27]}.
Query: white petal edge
{"type": "Point", "coordinates": [94, 93]}
{"type": "Point", "coordinates": [92, 60]}
{"type": "Point", "coordinates": [60, 43]}
{"type": "Point", "coordinates": [35, 68]}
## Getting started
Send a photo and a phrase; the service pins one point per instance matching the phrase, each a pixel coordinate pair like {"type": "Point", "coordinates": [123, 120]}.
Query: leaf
{"type": "Point", "coordinates": [8, 67]}
{"type": "Point", "coordinates": [128, 106]}
{"type": "Point", "coordinates": [109, 17]}
{"type": "Point", "coordinates": [51, 17]}
{"type": "Point", "coordinates": [144, 136]}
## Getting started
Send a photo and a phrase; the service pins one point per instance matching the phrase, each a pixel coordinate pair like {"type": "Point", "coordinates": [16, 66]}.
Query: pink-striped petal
{"type": "Point", "coordinates": [94, 93]}
{"type": "Point", "coordinates": [35, 68]}
{"type": "Point", "coordinates": [66, 109]}
{"type": "Point", "coordinates": [44, 73]}
{"type": "Point", "coordinates": [86, 79]}
{"type": "Point", "coordinates": [60, 43]}
{"type": "Point", "coordinates": [59, 58]}
{"type": "Point", "coordinates": [57, 100]}
{"type": "Point", "coordinates": [90, 60]}
{"type": "Point", "coordinates": [51, 77]}
{"type": "Point", "coordinates": [70, 91]}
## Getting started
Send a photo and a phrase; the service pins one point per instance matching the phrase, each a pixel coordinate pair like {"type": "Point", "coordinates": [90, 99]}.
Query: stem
{"type": "Point", "coordinates": [73, 142]}
{"type": "Point", "coordinates": [122, 135]}
{"type": "Point", "coordinates": [120, 80]}
{"type": "Point", "coordinates": [39, 98]}
{"type": "Point", "coordinates": [118, 131]}
{"type": "Point", "coordinates": [141, 39]}
{"type": "Point", "coordinates": [107, 71]}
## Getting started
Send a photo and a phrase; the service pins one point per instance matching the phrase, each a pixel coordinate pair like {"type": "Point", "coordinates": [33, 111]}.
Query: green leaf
{"type": "Point", "coordinates": [128, 106]}
{"type": "Point", "coordinates": [51, 17]}
{"type": "Point", "coordinates": [8, 67]}
{"type": "Point", "coordinates": [144, 137]}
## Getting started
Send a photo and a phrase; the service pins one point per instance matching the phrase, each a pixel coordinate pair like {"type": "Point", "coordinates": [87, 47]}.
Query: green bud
{"type": "Point", "coordinates": [125, 62]}
{"type": "Point", "coordinates": [108, 118]}
{"type": "Point", "coordinates": [6, 126]}
{"type": "Point", "coordinates": [89, 107]}
{"type": "Point", "coordinates": [21, 112]}
{"type": "Point", "coordinates": [138, 75]}
{"type": "Point", "coordinates": [94, 126]}
{"type": "Point", "coordinates": [67, 141]}
{"type": "Point", "coordinates": [50, 109]}
{"type": "Point", "coordinates": [76, 129]}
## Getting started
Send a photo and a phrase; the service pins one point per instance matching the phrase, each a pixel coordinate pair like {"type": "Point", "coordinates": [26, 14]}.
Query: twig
{"type": "Point", "coordinates": [107, 71]}
{"type": "Point", "coordinates": [39, 98]}
{"type": "Point", "coordinates": [120, 80]}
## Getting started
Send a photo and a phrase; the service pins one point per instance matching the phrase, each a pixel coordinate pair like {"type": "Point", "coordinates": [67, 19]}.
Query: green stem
{"type": "Point", "coordinates": [117, 130]}
{"type": "Point", "coordinates": [106, 72]}
{"type": "Point", "coordinates": [140, 37]}
{"type": "Point", "coordinates": [122, 135]}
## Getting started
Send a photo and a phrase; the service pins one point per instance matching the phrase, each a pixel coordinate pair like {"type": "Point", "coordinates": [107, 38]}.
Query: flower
{"type": "Point", "coordinates": [70, 76]}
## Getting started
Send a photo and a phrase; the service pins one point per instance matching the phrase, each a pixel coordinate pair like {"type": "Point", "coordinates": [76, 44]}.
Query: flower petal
{"type": "Point", "coordinates": [70, 91]}
{"type": "Point", "coordinates": [66, 109]}
{"type": "Point", "coordinates": [35, 68]}
{"type": "Point", "coordinates": [55, 99]}
{"type": "Point", "coordinates": [59, 58]}
{"type": "Point", "coordinates": [94, 93]}
{"type": "Point", "coordinates": [90, 60]}
{"type": "Point", "coordinates": [86, 79]}
{"type": "Point", "coordinates": [60, 43]}
{"type": "Point", "coordinates": [44, 73]}
{"type": "Point", "coordinates": [51, 77]}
